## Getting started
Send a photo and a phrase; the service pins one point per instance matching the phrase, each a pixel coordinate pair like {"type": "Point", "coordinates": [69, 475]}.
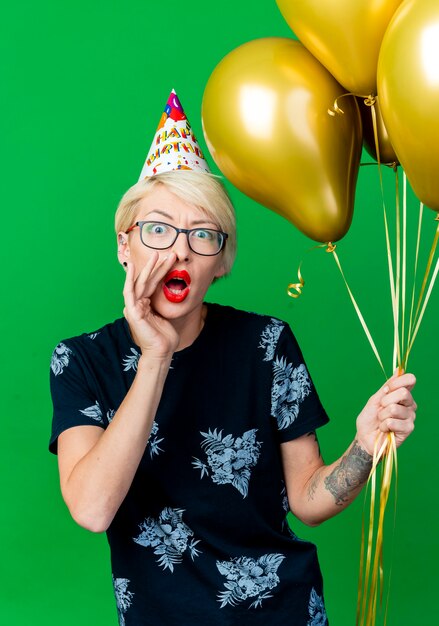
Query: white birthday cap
{"type": "Point", "coordinates": [174, 146]}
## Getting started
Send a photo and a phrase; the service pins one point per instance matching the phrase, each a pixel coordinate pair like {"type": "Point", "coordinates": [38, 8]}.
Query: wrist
{"type": "Point", "coordinates": [367, 445]}
{"type": "Point", "coordinates": [152, 361]}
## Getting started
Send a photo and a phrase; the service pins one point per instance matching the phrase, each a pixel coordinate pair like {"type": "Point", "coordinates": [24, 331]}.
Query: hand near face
{"type": "Point", "coordinates": [391, 408]}
{"type": "Point", "coordinates": [152, 333]}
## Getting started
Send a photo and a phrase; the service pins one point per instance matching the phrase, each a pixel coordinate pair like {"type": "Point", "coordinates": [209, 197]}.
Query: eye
{"type": "Point", "coordinates": [155, 228]}
{"type": "Point", "coordinates": [206, 235]}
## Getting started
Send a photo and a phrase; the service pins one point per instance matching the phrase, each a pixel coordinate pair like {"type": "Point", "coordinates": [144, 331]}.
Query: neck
{"type": "Point", "coordinates": [189, 328]}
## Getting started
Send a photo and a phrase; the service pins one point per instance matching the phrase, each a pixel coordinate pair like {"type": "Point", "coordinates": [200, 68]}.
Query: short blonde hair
{"type": "Point", "coordinates": [205, 191]}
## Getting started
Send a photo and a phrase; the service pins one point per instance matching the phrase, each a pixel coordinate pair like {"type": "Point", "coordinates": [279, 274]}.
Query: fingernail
{"type": "Point", "coordinates": [386, 389]}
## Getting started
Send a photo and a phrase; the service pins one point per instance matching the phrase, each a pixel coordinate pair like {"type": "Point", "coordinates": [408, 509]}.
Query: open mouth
{"type": "Point", "coordinates": [176, 285]}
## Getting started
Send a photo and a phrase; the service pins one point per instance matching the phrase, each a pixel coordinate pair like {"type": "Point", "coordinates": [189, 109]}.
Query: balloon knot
{"type": "Point", "coordinates": [436, 219]}
{"type": "Point", "coordinates": [370, 100]}
{"type": "Point", "coordinates": [330, 246]}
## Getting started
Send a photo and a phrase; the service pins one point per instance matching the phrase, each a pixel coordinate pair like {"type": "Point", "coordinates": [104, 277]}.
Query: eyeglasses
{"type": "Point", "coordinates": [159, 235]}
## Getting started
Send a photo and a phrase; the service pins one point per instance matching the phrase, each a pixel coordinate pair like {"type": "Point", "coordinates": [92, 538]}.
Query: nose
{"type": "Point", "coordinates": [181, 247]}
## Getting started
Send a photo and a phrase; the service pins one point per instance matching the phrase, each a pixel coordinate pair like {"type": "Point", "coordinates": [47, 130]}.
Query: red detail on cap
{"type": "Point", "coordinates": [177, 115]}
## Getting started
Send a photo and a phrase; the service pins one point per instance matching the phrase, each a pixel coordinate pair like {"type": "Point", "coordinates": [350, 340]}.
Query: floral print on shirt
{"type": "Point", "coordinates": [131, 361]}
{"type": "Point", "coordinates": [229, 460]}
{"type": "Point", "coordinates": [269, 338]}
{"type": "Point", "coordinates": [60, 358]}
{"type": "Point", "coordinates": [94, 411]}
{"type": "Point", "coordinates": [284, 496]}
{"type": "Point", "coordinates": [290, 387]}
{"type": "Point", "coordinates": [124, 597]}
{"type": "Point", "coordinates": [249, 578]}
{"type": "Point", "coordinates": [316, 610]}
{"type": "Point", "coordinates": [169, 537]}
{"type": "Point", "coordinates": [154, 440]}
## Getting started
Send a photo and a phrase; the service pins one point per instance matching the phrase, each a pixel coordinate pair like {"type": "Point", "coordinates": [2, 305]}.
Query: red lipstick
{"type": "Point", "coordinates": [176, 285]}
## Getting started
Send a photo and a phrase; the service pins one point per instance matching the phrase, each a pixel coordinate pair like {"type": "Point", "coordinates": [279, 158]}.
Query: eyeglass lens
{"type": "Point", "coordinates": [201, 240]}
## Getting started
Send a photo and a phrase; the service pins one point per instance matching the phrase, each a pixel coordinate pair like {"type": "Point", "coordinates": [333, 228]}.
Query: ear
{"type": "Point", "coordinates": [123, 249]}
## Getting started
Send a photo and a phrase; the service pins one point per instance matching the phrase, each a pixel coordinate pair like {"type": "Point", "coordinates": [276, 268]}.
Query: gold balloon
{"type": "Point", "coordinates": [408, 86]}
{"type": "Point", "coordinates": [387, 153]}
{"type": "Point", "coordinates": [344, 35]}
{"type": "Point", "coordinates": [266, 122]}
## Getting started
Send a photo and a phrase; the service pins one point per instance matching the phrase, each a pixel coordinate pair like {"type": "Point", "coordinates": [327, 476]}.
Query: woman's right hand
{"type": "Point", "coordinates": [152, 333]}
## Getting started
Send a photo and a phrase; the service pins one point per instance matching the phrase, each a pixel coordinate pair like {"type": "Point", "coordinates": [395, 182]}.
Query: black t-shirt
{"type": "Point", "coordinates": [202, 534]}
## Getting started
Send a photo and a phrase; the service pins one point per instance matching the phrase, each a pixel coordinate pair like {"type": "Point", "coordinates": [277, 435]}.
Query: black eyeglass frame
{"type": "Point", "coordinates": [186, 231]}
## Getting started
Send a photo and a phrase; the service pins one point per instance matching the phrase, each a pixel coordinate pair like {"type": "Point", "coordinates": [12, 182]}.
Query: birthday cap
{"type": "Point", "coordinates": [174, 146]}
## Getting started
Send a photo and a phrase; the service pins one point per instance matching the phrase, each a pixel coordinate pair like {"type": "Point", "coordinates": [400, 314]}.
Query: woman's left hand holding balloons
{"type": "Point", "coordinates": [391, 409]}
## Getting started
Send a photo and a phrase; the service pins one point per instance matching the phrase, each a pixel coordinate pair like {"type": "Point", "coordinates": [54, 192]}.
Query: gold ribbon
{"type": "Point", "coordinates": [371, 585]}
{"type": "Point", "coordinates": [296, 286]}
{"type": "Point", "coordinates": [336, 110]}
{"type": "Point", "coordinates": [357, 310]}
{"type": "Point", "coordinates": [421, 209]}
{"type": "Point", "coordinates": [394, 289]}
{"type": "Point", "coordinates": [371, 578]}
{"type": "Point", "coordinates": [371, 581]}
{"type": "Point", "coordinates": [404, 253]}
{"type": "Point", "coordinates": [371, 575]}
{"type": "Point", "coordinates": [294, 290]}
{"type": "Point", "coordinates": [418, 318]}
{"type": "Point", "coordinates": [413, 330]}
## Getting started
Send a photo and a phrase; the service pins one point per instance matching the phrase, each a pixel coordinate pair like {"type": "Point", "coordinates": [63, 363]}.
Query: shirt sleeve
{"type": "Point", "coordinates": [74, 403]}
{"type": "Point", "coordinates": [295, 405]}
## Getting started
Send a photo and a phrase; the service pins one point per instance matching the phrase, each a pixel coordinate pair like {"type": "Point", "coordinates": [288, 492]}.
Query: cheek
{"type": "Point", "coordinates": [210, 273]}
{"type": "Point", "coordinates": [140, 255]}
{"type": "Point", "coordinates": [221, 270]}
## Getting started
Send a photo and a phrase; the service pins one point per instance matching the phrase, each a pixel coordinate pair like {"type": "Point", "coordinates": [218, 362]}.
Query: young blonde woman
{"type": "Point", "coordinates": [186, 430]}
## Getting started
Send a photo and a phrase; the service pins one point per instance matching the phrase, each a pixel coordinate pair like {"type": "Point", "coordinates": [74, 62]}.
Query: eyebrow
{"type": "Point", "coordinates": [194, 223]}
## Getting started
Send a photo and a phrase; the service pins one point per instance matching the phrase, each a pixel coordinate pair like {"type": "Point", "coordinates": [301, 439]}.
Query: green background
{"type": "Point", "coordinates": [84, 85]}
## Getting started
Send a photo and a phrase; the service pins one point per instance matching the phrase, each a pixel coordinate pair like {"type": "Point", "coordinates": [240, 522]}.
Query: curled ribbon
{"type": "Point", "coordinates": [296, 286]}
{"type": "Point", "coordinates": [336, 110]}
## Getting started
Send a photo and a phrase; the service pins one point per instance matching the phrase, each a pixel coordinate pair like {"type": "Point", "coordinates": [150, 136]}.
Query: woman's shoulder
{"type": "Point", "coordinates": [248, 329]}
{"type": "Point", "coordinates": [102, 340]}
{"type": "Point", "coordinates": [111, 329]}
{"type": "Point", "coordinates": [232, 314]}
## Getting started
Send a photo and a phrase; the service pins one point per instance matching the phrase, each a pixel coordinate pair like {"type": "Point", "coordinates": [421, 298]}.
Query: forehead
{"type": "Point", "coordinates": [161, 203]}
